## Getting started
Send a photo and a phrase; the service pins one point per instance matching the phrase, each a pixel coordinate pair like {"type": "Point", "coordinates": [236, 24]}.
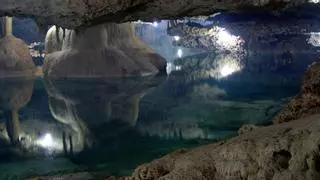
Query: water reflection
{"type": "Point", "coordinates": [103, 124]}
{"type": "Point", "coordinates": [231, 76]}
{"type": "Point", "coordinates": [14, 94]}
{"type": "Point", "coordinates": [84, 104]}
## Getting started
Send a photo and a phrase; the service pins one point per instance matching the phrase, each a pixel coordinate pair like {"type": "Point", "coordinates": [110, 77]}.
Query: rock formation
{"type": "Point", "coordinates": [13, 96]}
{"type": "Point", "coordinates": [55, 38]}
{"type": "Point", "coordinates": [307, 102]}
{"type": "Point", "coordinates": [251, 35]}
{"type": "Point", "coordinates": [15, 58]}
{"type": "Point", "coordinates": [75, 13]}
{"type": "Point", "coordinates": [280, 152]}
{"type": "Point", "coordinates": [106, 50]}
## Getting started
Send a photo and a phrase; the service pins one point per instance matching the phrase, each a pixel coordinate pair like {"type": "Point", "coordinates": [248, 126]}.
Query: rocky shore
{"type": "Point", "coordinates": [289, 149]}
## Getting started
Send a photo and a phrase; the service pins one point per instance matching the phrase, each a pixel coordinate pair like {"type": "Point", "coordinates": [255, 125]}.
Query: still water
{"type": "Point", "coordinates": [112, 125]}
{"type": "Point", "coordinates": [217, 80]}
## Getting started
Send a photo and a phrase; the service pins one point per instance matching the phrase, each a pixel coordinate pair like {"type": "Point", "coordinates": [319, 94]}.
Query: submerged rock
{"type": "Point", "coordinates": [281, 152]}
{"type": "Point", "coordinates": [285, 151]}
{"type": "Point", "coordinates": [74, 176]}
{"type": "Point", "coordinates": [15, 58]}
{"type": "Point", "coordinates": [13, 96]}
{"type": "Point", "coordinates": [106, 50]}
{"type": "Point", "coordinates": [307, 101]}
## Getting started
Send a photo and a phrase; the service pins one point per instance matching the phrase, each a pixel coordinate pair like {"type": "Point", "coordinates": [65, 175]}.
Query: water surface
{"type": "Point", "coordinates": [215, 83]}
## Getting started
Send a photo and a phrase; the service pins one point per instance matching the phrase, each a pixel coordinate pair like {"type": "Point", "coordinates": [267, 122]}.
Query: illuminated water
{"type": "Point", "coordinates": [110, 126]}
{"type": "Point", "coordinates": [116, 124]}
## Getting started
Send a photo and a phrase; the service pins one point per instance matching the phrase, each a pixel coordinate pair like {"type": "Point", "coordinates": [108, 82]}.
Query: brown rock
{"type": "Point", "coordinates": [279, 152]}
{"type": "Point", "coordinates": [307, 102]}
{"type": "Point", "coordinates": [75, 13]}
{"type": "Point", "coordinates": [246, 128]}
{"type": "Point", "coordinates": [71, 176]}
{"type": "Point", "coordinates": [15, 58]}
{"type": "Point", "coordinates": [111, 178]}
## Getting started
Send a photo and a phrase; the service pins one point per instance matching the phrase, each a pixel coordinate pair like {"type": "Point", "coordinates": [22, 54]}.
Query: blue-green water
{"type": "Point", "coordinates": [113, 125]}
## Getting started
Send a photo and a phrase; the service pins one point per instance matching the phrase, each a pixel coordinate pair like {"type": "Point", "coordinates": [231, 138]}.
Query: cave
{"type": "Point", "coordinates": [148, 90]}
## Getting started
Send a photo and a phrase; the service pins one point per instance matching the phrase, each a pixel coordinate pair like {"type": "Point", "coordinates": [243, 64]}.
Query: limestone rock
{"type": "Point", "coordinates": [106, 50]}
{"type": "Point", "coordinates": [74, 176]}
{"type": "Point", "coordinates": [307, 101]}
{"type": "Point", "coordinates": [247, 128]}
{"type": "Point", "coordinates": [279, 152]}
{"type": "Point", "coordinates": [76, 13]}
{"type": "Point", "coordinates": [15, 58]}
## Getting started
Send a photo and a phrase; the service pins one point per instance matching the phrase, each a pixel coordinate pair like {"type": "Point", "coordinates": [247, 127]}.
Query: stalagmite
{"type": "Point", "coordinates": [105, 50]}
{"type": "Point", "coordinates": [15, 58]}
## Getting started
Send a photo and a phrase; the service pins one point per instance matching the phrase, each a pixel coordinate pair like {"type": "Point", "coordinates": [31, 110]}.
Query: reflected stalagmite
{"type": "Point", "coordinates": [107, 50]}
{"type": "Point", "coordinates": [13, 96]}
{"type": "Point", "coordinates": [64, 112]}
{"type": "Point", "coordinates": [127, 110]}
{"type": "Point", "coordinates": [13, 126]}
{"type": "Point", "coordinates": [101, 105]}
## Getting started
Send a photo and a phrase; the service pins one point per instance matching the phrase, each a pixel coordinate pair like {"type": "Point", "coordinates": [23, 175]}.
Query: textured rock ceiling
{"type": "Point", "coordinates": [77, 13]}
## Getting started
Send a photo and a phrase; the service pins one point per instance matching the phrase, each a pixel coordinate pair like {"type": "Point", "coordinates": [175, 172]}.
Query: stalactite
{"type": "Point", "coordinates": [7, 26]}
{"type": "Point", "coordinates": [104, 50]}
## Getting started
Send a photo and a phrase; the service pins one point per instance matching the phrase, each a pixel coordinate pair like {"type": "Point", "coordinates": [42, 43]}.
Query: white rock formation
{"type": "Point", "coordinates": [106, 50]}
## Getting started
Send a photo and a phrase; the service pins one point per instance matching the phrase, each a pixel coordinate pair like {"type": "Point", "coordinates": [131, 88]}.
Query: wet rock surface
{"type": "Point", "coordinates": [75, 13]}
{"type": "Point", "coordinates": [307, 101]}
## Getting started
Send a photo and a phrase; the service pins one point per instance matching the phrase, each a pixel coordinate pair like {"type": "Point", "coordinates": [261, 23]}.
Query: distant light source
{"type": "Point", "coordinates": [225, 39]}
{"type": "Point", "coordinates": [314, 1]}
{"type": "Point", "coordinates": [227, 70]}
{"type": "Point", "coordinates": [171, 67]}
{"type": "Point", "coordinates": [179, 53]}
{"type": "Point", "coordinates": [155, 24]}
{"type": "Point", "coordinates": [178, 68]}
{"type": "Point", "coordinates": [176, 38]}
{"type": "Point", "coordinates": [314, 39]}
{"type": "Point", "coordinates": [46, 141]}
